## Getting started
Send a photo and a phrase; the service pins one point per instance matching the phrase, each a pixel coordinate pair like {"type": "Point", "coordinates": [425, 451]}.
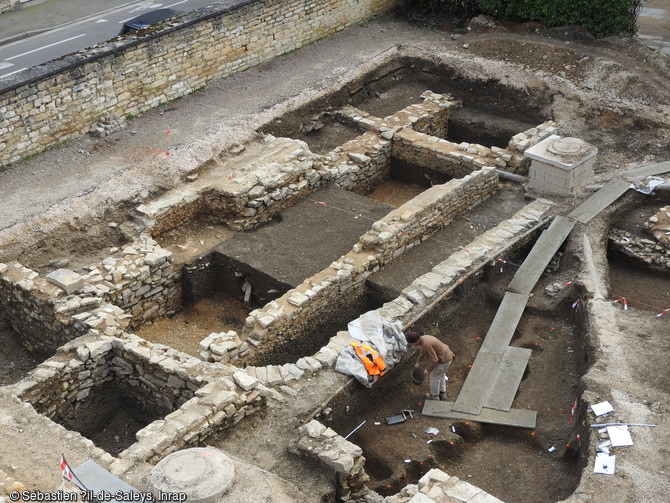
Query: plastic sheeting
{"type": "Point", "coordinates": [373, 330]}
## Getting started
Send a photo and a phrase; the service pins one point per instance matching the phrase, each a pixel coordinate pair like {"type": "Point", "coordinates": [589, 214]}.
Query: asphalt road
{"type": "Point", "coordinates": [38, 40]}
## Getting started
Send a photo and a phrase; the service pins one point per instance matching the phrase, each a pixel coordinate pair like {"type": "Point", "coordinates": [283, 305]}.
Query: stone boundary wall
{"type": "Point", "coordinates": [201, 401]}
{"type": "Point", "coordinates": [506, 237]}
{"type": "Point", "coordinates": [265, 183]}
{"type": "Point", "coordinates": [390, 237]}
{"type": "Point", "coordinates": [133, 285]}
{"type": "Point", "coordinates": [158, 383]}
{"type": "Point", "coordinates": [459, 159]}
{"type": "Point", "coordinates": [494, 244]}
{"type": "Point", "coordinates": [287, 170]}
{"type": "Point", "coordinates": [44, 315]}
{"type": "Point", "coordinates": [427, 213]}
{"type": "Point", "coordinates": [62, 100]}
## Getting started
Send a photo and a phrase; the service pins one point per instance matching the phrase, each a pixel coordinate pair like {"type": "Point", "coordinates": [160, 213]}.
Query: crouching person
{"type": "Point", "coordinates": [437, 357]}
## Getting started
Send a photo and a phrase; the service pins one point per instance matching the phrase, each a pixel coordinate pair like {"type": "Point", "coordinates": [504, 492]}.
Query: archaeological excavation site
{"type": "Point", "coordinates": [180, 323]}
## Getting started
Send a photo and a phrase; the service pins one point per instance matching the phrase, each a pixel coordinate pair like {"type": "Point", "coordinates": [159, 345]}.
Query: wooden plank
{"type": "Point", "coordinates": [652, 169]}
{"type": "Point", "coordinates": [609, 193]}
{"type": "Point", "coordinates": [476, 386]}
{"type": "Point", "coordinates": [514, 417]}
{"type": "Point", "coordinates": [505, 322]}
{"type": "Point", "coordinates": [507, 379]}
{"type": "Point", "coordinates": [537, 260]}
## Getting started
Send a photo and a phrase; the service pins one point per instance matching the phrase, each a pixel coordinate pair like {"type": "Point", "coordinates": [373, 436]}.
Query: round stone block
{"type": "Point", "coordinates": [568, 146]}
{"type": "Point", "coordinates": [200, 474]}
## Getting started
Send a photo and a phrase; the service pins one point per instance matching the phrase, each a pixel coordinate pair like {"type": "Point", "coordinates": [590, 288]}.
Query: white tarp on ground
{"type": "Point", "coordinates": [373, 330]}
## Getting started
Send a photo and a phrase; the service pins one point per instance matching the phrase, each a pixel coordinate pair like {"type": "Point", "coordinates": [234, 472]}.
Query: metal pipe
{"type": "Point", "coordinates": [511, 176]}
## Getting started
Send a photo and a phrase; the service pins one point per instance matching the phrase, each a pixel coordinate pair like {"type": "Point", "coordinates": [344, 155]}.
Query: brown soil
{"type": "Point", "coordinates": [512, 464]}
{"type": "Point", "coordinates": [185, 330]}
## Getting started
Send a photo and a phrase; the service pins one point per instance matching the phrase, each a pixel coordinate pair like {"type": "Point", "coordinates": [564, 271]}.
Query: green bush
{"type": "Point", "coordinates": [600, 17]}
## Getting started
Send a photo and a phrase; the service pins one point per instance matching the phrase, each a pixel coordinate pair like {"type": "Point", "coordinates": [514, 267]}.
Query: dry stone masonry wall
{"type": "Point", "coordinates": [199, 400]}
{"type": "Point", "coordinates": [133, 285]}
{"type": "Point", "coordinates": [345, 458]}
{"type": "Point", "coordinates": [61, 101]}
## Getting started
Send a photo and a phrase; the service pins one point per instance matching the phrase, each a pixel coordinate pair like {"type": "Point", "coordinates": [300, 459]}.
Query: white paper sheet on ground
{"type": "Point", "coordinates": [432, 431]}
{"type": "Point", "coordinates": [604, 464]}
{"type": "Point", "coordinates": [619, 436]}
{"type": "Point", "coordinates": [602, 408]}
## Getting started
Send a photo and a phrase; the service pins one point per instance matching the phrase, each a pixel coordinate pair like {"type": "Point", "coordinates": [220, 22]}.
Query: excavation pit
{"type": "Point", "coordinates": [503, 461]}
{"type": "Point", "coordinates": [110, 390]}
{"type": "Point", "coordinates": [490, 112]}
{"type": "Point", "coordinates": [638, 256]}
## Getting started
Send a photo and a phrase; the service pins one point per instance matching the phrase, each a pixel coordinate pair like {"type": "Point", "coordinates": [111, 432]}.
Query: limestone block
{"type": "Point", "coordinates": [297, 299]}
{"type": "Point", "coordinates": [421, 498]}
{"type": "Point", "coordinates": [66, 280]}
{"type": "Point", "coordinates": [245, 381]}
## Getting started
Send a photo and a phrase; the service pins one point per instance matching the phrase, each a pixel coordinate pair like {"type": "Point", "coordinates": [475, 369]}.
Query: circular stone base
{"type": "Point", "coordinates": [200, 474]}
{"type": "Point", "coordinates": [567, 146]}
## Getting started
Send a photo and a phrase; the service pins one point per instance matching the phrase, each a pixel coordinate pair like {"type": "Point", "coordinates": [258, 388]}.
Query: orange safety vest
{"type": "Point", "coordinates": [372, 360]}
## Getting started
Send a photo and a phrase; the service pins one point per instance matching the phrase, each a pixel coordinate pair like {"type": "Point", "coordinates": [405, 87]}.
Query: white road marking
{"type": "Point", "coordinates": [101, 21]}
{"type": "Point", "coordinates": [12, 73]}
{"type": "Point", "coordinates": [5, 65]}
{"type": "Point", "coordinates": [47, 46]}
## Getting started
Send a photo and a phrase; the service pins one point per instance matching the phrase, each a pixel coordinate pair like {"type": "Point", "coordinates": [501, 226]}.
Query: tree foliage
{"type": "Point", "coordinates": [601, 18]}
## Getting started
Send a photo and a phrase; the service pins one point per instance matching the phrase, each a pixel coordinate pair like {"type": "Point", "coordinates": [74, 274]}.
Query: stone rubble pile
{"type": "Point", "coordinates": [107, 125]}
{"type": "Point", "coordinates": [526, 139]}
{"type": "Point", "coordinates": [659, 225]}
{"type": "Point", "coordinates": [648, 251]}
{"type": "Point", "coordinates": [437, 486]}
{"type": "Point", "coordinates": [345, 458]}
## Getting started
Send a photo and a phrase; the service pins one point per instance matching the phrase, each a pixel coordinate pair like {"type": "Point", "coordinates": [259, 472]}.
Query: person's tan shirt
{"type": "Point", "coordinates": [434, 351]}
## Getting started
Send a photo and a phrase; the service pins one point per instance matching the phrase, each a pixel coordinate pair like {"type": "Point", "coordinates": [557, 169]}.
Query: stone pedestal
{"type": "Point", "coordinates": [200, 474]}
{"type": "Point", "coordinates": [560, 165]}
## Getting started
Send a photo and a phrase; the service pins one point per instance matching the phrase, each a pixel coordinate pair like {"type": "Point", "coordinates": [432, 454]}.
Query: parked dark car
{"type": "Point", "coordinates": [149, 18]}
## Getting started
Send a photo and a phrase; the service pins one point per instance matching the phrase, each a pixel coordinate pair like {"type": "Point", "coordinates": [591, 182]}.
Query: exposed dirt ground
{"type": "Point", "coordinates": [629, 124]}
{"type": "Point", "coordinates": [511, 463]}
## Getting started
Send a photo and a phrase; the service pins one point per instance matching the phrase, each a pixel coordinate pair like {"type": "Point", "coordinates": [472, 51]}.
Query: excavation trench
{"type": "Point", "coordinates": [513, 464]}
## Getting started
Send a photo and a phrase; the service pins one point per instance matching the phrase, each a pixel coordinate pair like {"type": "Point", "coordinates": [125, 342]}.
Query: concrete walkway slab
{"type": "Point", "coordinates": [505, 322]}
{"type": "Point", "coordinates": [476, 386]}
{"type": "Point", "coordinates": [651, 170]}
{"type": "Point", "coordinates": [538, 258]}
{"type": "Point", "coordinates": [507, 379]}
{"type": "Point", "coordinates": [514, 417]}
{"type": "Point", "coordinates": [610, 192]}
